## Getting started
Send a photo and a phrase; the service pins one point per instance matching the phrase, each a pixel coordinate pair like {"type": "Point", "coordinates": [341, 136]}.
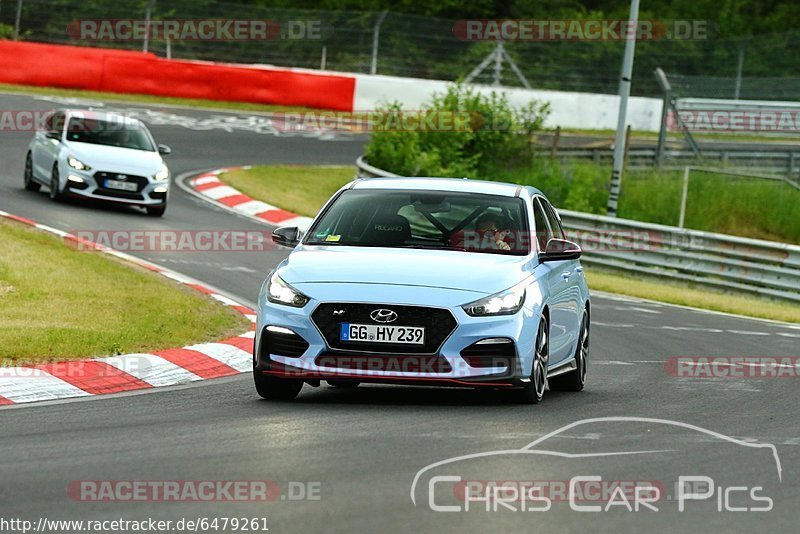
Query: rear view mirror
{"type": "Point", "coordinates": [559, 250]}
{"type": "Point", "coordinates": [164, 150]}
{"type": "Point", "coordinates": [56, 136]}
{"type": "Point", "coordinates": [286, 236]}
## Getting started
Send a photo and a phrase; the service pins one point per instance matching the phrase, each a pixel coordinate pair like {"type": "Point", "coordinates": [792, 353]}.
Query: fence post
{"type": "Point", "coordinates": [147, 15]}
{"type": "Point", "coordinates": [666, 89]}
{"type": "Point", "coordinates": [684, 194]}
{"type": "Point", "coordinates": [17, 19]}
{"type": "Point", "coordinates": [554, 147]}
{"type": "Point", "coordinates": [739, 68]}
{"type": "Point", "coordinates": [323, 61]}
{"type": "Point", "coordinates": [376, 32]}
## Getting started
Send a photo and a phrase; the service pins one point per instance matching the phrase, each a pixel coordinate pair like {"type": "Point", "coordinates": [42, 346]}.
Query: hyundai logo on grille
{"type": "Point", "coordinates": [383, 316]}
{"type": "Point", "coordinates": [122, 177]}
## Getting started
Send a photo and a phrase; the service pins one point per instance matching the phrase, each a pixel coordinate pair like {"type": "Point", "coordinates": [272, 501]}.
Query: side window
{"type": "Point", "coordinates": [552, 218]}
{"type": "Point", "coordinates": [543, 233]}
{"type": "Point", "coordinates": [55, 123]}
{"type": "Point", "coordinates": [48, 122]}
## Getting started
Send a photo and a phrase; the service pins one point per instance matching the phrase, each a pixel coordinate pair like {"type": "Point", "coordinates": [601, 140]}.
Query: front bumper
{"type": "Point", "coordinates": [450, 368]}
{"type": "Point", "coordinates": [89, 184]}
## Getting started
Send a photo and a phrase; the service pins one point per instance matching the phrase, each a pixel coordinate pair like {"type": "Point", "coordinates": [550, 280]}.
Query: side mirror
{"type": "Point", "coordinates": [559, 250]}
{"type": "Point", "coordinates": [164, 150]}
{"type": "Point", "coordinates": [56, 136]}
{"type": "Point", "coordinates": [286, 236]}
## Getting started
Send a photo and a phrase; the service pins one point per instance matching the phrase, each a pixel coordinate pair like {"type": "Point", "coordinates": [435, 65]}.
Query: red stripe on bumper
{"type": "Point", "coordinates": [197, 363]}
{"type": "Point", "coordinates": [234, 200]}
{"type": "Point", "coordinates": [275, 216]}
{"type": "Point", "coordinates": [94, 377]}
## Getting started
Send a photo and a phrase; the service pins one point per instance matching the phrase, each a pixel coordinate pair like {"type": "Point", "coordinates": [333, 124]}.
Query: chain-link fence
{"type": "Point", "coordinates": [424, 47]}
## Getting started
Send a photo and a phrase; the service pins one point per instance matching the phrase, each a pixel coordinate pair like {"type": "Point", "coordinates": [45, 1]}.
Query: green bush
{"type": "Point", "coordinates": [497, 136]}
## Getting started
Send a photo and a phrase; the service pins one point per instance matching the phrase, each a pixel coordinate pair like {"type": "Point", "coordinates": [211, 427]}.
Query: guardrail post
{"type": "Point", "coordinates": [684, 194]}
{"type": "Point", "coordinates": [554, 147]}
{"type": "Point", "coordinates": [376, 35]}
{"type": "Point", "coordinates": [17, 19]}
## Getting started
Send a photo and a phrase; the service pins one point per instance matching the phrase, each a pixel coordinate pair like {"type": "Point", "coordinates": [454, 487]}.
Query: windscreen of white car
{"type": "Point", "coordinates": [122, 134]}
{"type": "Point", "coordinates": [424, 219]}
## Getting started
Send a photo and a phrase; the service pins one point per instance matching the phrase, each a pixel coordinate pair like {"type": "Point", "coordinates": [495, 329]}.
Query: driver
{"type": "Point", "coordinates": [488, 227]}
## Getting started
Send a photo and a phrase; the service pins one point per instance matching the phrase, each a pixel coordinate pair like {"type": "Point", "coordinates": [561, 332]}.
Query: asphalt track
{"type": "Point", "coordinates": [364, 447]}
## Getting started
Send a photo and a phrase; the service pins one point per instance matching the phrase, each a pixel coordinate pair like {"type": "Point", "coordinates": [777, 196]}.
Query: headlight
{"type": "Point", "coordinates": [75, 163]}
{"type": "Point", "coordinates": [162, 174]}
{"type": "Point", "coordinates": [506, 302]}
{"type": "Point", "coordinates": [280, 292]}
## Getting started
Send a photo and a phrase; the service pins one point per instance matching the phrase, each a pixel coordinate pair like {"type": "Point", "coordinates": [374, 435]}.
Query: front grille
{"type": "Point", "coordinates": [101, 176]}
{"type": "Point", "coordinates": [439, 323]}
{"type": "Point", "coordinates": [401, 363]}
{"type": "Point", "coordinates": [282, 344]}
{"type": "Point", "coordinates": [500, 354]}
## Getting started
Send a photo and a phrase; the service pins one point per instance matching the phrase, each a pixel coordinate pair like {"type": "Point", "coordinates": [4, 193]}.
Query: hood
{"type": "Point", "coordinates": [116, 159]}
{"type": "Point", "coordinates": [445, 269]}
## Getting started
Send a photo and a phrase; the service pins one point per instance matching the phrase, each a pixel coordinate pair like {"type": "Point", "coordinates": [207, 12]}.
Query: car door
{"type": "Point", "coordinates": [571, 272]}
{"type": "Point", "coordinates": [48, 146]}
{"type": "Point", "coordinates": [555, 285]}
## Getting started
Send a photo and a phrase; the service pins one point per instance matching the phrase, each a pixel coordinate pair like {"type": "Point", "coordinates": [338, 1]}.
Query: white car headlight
{"type": "Point", "coordinates": [75, 163]}
{"type": "Point", "coordinates": [162, 174]}
{"type": "Point", "coordinates": [280, 292]}
{"type": "Point", "coordinates": [506, 302]}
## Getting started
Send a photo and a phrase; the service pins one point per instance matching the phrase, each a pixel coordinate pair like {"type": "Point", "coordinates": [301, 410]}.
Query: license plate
{"type": "Point", "coordinates": [373, 333]}
{"type": "Point", "coordinates": [122, 186]}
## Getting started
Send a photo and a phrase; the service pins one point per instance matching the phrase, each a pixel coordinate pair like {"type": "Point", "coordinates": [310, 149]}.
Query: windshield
{"type": "Point", "coordinates": [467, 222]}
{"type": "Point", "coordinates": [110, 133]}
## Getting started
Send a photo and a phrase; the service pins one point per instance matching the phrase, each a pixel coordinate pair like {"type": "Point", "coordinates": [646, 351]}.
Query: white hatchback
{"type": "Point", "coordinates": [101, 156]}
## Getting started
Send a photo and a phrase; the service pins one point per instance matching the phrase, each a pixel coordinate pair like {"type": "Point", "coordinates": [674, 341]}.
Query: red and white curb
{"type": "Point", "coordinates": [115, 374]}
{"type": "Point", "coordinates": [209, 186]}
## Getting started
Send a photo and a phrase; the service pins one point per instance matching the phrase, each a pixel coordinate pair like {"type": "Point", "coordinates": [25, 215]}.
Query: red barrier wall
{"type": "Point", "coordinates": [121, 71]}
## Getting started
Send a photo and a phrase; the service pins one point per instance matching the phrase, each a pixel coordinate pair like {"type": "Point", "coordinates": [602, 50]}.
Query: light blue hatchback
{"type": "Point", "coordinates": [431, 281]}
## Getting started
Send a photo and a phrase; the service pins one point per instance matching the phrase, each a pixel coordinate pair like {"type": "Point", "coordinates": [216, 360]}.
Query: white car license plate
{"type": "Point", "coordinates": [373, 333]}
{"type": "Point", "coordinates": [122, 186]}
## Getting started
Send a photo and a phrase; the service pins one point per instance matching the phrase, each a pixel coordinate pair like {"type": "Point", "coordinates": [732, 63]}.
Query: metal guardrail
{"type": "Point", "coordinates": [722, 261]}
{"type": "Point", "coordinates": [786, 162]}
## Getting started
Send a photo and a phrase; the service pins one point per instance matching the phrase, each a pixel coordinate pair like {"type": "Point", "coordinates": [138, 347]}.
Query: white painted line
{"type": "Point", "coordinates": [30, 385]}
{"type": "Point", "coordinates": [152, 369]}
{"type": "Point", "coordinates": [205, 180]}
{"type": "Point", "coordinates": [222, 191]}
{"type": "Point", "coordinates": [223, 299]}
{"type": "Point", "coordinates": [251, 207]}
{"type": "Point", "coordinates": [232, 356]}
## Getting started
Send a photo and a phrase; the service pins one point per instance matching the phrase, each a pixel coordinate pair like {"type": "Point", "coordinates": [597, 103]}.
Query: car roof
{"type": "Point", "coordinates": [109, 116]}
{"type": "Point", "coordinates": [445, 184]}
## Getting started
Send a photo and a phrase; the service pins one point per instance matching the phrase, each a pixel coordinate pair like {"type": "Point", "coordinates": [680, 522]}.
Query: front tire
{"type": "Point", "coordinates": [533, 392]}
{"type": "Point", "coordinates": [30, 183]}
{"type": "Point", "coordinates": [55, 192]}
{"type": "Point", "coordinates": [575, 380]}
{"type": "Point", "coordinates": [157, 211]}
{"type": "Point", "coordinates": [274, 388]}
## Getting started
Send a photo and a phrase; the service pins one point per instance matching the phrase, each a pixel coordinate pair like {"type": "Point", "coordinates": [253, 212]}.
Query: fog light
{"type": "Point", "coordinates": [76, 179]}
{"type": "Point", "coordinates": [160, 189]}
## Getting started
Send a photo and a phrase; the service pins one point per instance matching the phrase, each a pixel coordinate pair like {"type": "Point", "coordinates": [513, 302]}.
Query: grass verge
{"type": "Point", "coordinates": [303, 190]}
{"type": "Point", "coordinates": [60, 303]}
{"type": "Point", "coordinates": [147, 99]}
{"type": "Point", "coordinates": [653, 288]}
{"type": "Point", "coordinates": [298, 189]}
